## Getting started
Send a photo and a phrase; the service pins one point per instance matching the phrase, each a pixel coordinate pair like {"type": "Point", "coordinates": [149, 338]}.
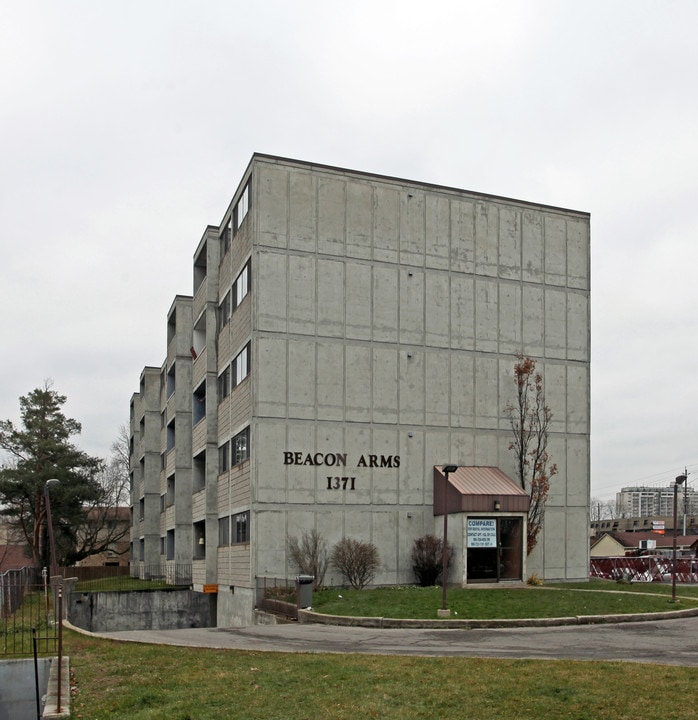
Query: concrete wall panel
{"type": "Point", "coordinates": [358, 383]}
{"type": "Point", "coordinates": [412, 485]}
{"type": "Point", "coordinates": [555, 250]}
{"type": "Point", "coordinates": [386, 224]}
{"type": "Point", "coordinates": [411, 388]}
{"type": "Point", "coordinates": [510, 326]}
{"type": "Point", "coordinates": [486, 315]}
{"type": "Point", "coordinates": [330, 295]}
{"type": "Point", "coordinates": [272, 300]}
{"type": "Point", "coordinates": [302, 212]}
{"type": "Point", "coordinates": [272, 205]}
{"type": "Point", "coordinates": [385, 386]}
{"type": "Point", "coordinates": [578, 399]}
{"type": "Point", "coordinates": [578, 254]}
{"type": "Point", "coordinates": [509, 243]}
{"type": "Point", "coordinates": [412, 231]}
{"type": "Point", "coordinates": [359, 220]}
{"type": "Point", "coordinates": [462, 312]}
{"type": "Point", "coordinates": [331, 216]}
{"type": "Point", "coordinates": [486, 239]}
{"type": "Point", "coordinates": [533, 321]}
{"type": "Point", "coordinates": [554, 551]}
{"type": "Point", "coordinates": [438, 397]}
{"type": "Point", "coordinates": [330, 381]}
{"type": "Point", "coordinates": [462, 236]}
{"type": "Point", "coordinates": [270, 474]}
{"type": "Point", "coordinates": [438, 223]}
{"type": "Point", "coordinates": [555, 323]}
{"type": "Point", "coordinates": [385, 304]}
{"type": "Point", "coordinates": [302, 376]}
{"type": "Point", "coordinates": [577, 326]}
{"type": "Point", "coordinates": [302, 300]}
{"type": "Point", "coordinates": [438, 310]}
{"type": "Point", "coordinates": [532, 246]}
{"type": "Point", "coordinates": [359, 301]}
{"type": "Point", "coordinates": [270, 377]}
{"type": "Point", "coordinates": [462, 395]}
{"type": "Point", "coordinates": [411, 310]}
{"type": "Point", "coordinates": [487, 410]}
{"type": "Point", "coordinates": [578, 472]}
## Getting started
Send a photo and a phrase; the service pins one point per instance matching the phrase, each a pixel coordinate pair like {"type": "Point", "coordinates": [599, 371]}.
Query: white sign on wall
{"type": "Point", "coordinates": [482, 533]}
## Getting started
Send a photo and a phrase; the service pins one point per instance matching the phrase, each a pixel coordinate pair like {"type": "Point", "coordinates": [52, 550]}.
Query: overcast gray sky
{"type": "Point", "coordinates": [126, 126]}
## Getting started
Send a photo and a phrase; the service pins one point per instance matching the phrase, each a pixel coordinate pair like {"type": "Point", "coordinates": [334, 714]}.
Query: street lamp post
{"type": "Point", "coordinates": [447, 470]}
{"type": "Point", "coordinates": [679, 480]}
{"type": "Point", "coordinates": [49, 522]}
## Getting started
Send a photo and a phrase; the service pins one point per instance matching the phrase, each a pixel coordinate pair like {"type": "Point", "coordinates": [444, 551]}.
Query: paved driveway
{"type": "Point", "coordinates": [672, 642]}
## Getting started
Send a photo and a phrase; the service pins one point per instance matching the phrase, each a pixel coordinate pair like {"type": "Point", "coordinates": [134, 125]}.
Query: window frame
{"type": "Point", "coordinates": [236, 442]}
{"type": "Point", "coordinates": [240, 530]}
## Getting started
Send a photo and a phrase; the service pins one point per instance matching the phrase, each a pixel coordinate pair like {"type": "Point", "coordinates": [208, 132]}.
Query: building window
{"type": "Point", "coordinates": [224, 384]}
{"type": "Point", "coordinates": [226, 237]}
{"type": "Point", "coordinates": [240, 447]}
{"type": "Point", "coordinates": [170, 495]}
{"type": "Point", "coordinates": [141, 509]}
{"type": "Point", "coordinates": [223, 458]}
{"type": "Point", "coordinates": [225, 309]}
{"type": "Point", "coordinates": [200, 540]}
{"type": "Point", "coordinates": [171, 436]}
{"type": "Point", "coordinates": [170, 549]}
{"type": "Point", "coordinates": [199, 472]}
{"type": "Point", "coordinates": [241, 286]}
{"type": "Point", "coordinates": [224, 531]}
{"type": "Point", "coordinates": [241, 527]}
{"type": "Point", "coordinates": [243, 205]}
{"type": "Point", "coordinates": [199, 404]}
{"type": "Point", "coordinates": [171, 384]}
{"type": "Point", "coordinates": [241, 365]}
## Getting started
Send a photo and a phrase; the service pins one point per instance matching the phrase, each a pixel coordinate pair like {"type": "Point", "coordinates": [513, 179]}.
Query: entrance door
{"type": "Point", "coordinates": [495, 549]}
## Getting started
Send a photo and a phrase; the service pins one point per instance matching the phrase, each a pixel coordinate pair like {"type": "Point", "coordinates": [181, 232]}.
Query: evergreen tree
{"type": "Point", "coordinates": [40, 449]}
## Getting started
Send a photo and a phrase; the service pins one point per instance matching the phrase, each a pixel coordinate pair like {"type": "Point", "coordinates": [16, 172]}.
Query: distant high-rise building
{"type": "Point", "coordinates": [644, 501]}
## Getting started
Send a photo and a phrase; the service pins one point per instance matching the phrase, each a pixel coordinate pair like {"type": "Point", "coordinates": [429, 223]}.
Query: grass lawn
{"type": "Point", "coordinates": [487, 603]}
{"type": "Point", "coordinates": [138, 682]}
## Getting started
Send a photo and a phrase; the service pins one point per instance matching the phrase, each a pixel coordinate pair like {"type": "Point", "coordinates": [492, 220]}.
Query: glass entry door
{"type": "Point", "coordinates": [494, 549]}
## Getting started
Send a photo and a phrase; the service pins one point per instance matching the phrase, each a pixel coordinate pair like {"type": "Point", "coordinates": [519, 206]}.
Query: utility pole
{"type": "Point", "coordinates": [685, 500]}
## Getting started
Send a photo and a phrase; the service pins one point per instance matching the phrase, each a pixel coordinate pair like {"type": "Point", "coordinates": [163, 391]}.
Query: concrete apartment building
{"type": "Point", "coordinates": [348, 335]}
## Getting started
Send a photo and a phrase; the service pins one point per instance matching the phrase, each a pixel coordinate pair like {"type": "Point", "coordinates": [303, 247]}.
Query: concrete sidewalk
{"type": "Point", "coordinates": [671, 642]}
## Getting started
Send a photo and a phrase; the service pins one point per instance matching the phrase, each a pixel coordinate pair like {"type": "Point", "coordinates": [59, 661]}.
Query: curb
{"type": "Point", "coordinates": [309, 616]}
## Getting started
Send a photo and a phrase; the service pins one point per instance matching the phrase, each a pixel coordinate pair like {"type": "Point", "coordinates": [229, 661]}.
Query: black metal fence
{"type": "Point", "coordinates": [29, 614]}
{"type": "Point", "coordinates": [134, 577]}
{"type": "Point", "coordinates": [277, 595]}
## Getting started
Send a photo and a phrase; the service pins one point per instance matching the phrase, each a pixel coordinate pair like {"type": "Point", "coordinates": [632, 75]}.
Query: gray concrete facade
{"type": "Point", "coordinates": [351, 331]}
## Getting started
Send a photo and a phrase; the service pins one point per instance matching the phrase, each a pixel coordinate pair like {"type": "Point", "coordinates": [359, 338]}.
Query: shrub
{"type": "Point", "coordinates": [357, 561]}
{"type": "Point", "coordinates": [427, 559]}
{"type": "Point", "coordinates": [534, 580]}
{"type": "Point", "coordinates": [310, 555]}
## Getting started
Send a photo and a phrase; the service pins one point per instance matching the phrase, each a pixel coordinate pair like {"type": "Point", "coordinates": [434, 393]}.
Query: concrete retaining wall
{"type": "Point", "coordinates": [141, 610]}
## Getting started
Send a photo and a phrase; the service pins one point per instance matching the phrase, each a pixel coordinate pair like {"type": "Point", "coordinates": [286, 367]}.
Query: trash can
{"type": "Point", "coordinates": [304, 590]}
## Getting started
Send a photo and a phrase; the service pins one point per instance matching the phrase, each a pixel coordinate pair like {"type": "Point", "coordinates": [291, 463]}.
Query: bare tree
{"type": "Point", "coordinates": [356, 560]}
{"type": "Point", "coordinates": [310, 555]}
{"type": "Point", "coordinates": [602, 509]}
{"type": "Point", "coordinates": [530, 419]}
{"type": "Point", "coordinates": [107, 515]}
